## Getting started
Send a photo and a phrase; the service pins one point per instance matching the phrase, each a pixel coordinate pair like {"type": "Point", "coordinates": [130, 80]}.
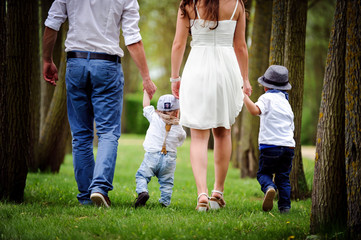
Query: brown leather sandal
{"type": "Point", "coordinates": [202, 207]}
{"type": "Point", "coordinates": [217, 202]}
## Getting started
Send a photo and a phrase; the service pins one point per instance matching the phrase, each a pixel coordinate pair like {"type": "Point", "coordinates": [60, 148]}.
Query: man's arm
{"type": "Point", "coordinates": [251, 107]}
{"type": "Point", "coordinates": [137, 52]}
{"type": "Point", "coordinates": [50, 72]}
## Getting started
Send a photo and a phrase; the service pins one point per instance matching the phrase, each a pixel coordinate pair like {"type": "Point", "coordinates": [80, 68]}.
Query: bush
{"type": "Point", "coordinates": [132, 116]}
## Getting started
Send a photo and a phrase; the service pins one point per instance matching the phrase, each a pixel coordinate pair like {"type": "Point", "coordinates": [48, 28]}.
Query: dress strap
{"type": "Point", "coordinates": [234, 10]}
{"type": "Point", "coordinates": [199, 16]}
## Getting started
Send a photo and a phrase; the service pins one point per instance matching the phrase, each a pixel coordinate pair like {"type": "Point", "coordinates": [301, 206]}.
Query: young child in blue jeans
{"type": "Point", "coordinates": [163, 137]}
{"type": "Point", "coordinates": [275, 138]}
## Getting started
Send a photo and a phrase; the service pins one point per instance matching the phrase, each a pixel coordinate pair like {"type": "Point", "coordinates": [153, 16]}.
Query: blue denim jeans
{"type": "Point", "coordinates": [94, 93]}
{"type": "Point", "coordinates": [159, 165]}
{"type": "Point", "coordinates": [278, 161]}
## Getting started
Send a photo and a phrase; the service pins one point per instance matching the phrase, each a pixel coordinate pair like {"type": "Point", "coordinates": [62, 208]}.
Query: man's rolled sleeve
{"type": "Point", "coordinates": [57, 15]}
{"type": "Point", "coordinates": [130, 19]}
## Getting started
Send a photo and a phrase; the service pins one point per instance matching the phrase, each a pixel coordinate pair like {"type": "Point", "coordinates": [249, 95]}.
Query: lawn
{"type": "Point", "coordinates": [51, 210]}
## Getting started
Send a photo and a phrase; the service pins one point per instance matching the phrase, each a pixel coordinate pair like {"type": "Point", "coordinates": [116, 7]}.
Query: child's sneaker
{"type": "Point", "coordinates": [141, 199]}
{"type": "Point", "coordinates": [268, 199]}
{"type": "Point", "coordinates": [284, 210]}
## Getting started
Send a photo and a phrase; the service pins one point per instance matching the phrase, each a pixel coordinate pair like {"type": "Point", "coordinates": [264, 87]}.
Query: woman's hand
{"type": "Point", "coordinates": [247, 88]}
{"type": "Point", "coordinates": [175, 89]}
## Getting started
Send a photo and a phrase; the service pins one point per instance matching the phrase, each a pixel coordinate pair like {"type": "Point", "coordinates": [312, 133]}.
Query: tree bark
{"type": "Point", "coordinates": [278, 33]}
{"type": "Point", "coordinates": [329, 204]}
{"type": "Point", "coordinates": [353, 119]}
{"type": "Point", "coordinates": [259, 54]}
{"type": "Point", "coordinates": [55, 131]}
{"type": "Point", "coordinates": [15, 128]}
{"type": "Point", "coordinates": [294, 61]}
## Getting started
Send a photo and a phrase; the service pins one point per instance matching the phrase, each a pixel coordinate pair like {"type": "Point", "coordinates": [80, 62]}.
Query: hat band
{"type": "Point", "coordinates": [274, 83]}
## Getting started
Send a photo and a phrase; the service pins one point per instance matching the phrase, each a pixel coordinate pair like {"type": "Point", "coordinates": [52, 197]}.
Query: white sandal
{"type": "Point", "coordinates": [202, 207]}
{"type": "Point", "coordinates": [217, 202]}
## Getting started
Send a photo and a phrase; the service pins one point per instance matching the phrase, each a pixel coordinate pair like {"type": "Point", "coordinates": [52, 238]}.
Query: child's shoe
{"type": "Point", "coordinates": [268, 199]}
{"type": "Point", "coordinates": [284, 210]}
{"type": "Point", "coordinates": [141, 199]}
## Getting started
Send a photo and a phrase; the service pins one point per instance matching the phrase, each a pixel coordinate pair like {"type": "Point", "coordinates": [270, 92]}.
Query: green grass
{"type": "Point", "coordinates": [51, 210]}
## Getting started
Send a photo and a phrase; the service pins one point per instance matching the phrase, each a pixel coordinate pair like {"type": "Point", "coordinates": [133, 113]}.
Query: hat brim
{"type": "Point", "coordinates": [263, 83]}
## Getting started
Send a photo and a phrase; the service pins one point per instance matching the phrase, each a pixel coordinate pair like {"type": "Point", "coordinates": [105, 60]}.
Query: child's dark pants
{"type": "Point", "coordinates": [278, 161]}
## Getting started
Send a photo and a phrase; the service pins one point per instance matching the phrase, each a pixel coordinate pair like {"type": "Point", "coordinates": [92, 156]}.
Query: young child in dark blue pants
{"type": "Point", "coordinates": [275, 138]}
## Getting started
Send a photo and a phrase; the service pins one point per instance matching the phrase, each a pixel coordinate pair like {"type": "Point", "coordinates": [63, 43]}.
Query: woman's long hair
{"type": "Point", "coordinates": [212, 9]}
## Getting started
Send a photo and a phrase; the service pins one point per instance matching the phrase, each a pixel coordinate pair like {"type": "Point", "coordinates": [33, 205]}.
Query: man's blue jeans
{"type": "Point", "coordinates": [278, 161]}
{"type": "Point", "coordinates": [94, 92]}
{"type": "Point", "coordinates": [162, 166]}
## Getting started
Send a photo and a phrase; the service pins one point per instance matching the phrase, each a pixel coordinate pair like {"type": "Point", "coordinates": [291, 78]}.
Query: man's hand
{"type": "Point", "coordinates": [50, 72]}
{"type": "Point", "coordinates": [175, 89]}
{"type": "Point", "coordinates": [150, 87]}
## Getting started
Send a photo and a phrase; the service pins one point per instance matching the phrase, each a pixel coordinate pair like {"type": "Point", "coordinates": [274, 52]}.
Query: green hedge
{"type": "Point", "coordinates": [133, 120]}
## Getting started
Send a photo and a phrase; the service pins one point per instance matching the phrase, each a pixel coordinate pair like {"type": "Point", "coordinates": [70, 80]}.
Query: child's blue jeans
{"type": "Point", "coordinates": [159, 165]}
{"type": "Point", "coordinates": [278, 161]}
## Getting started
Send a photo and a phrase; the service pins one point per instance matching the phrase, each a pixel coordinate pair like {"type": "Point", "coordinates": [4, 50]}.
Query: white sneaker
{"type": "Point", "coordinates": [268, 199]}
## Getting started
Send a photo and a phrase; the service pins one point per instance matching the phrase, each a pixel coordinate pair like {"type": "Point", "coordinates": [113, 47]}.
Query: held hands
{"type": "Point", "coordinates": [150, 87]}
{"type": "Point", "coordinates": [247, 88]}
{"type": "Point", "coordinates": [50, 72]}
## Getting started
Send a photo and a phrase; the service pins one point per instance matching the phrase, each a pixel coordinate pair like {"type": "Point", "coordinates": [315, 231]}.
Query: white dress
{"type": "Point", "coordinates": [211, 92]}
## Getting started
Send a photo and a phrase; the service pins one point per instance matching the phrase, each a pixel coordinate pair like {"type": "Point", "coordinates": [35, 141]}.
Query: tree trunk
{"type": "Point", "coordinates": [35, 91]}
{"type": "Point", "coordinates": [353, 119]}
{"type": "Point", "coordinates": [279, 21]}
{"type": "Point", "coordinates": [237, 126]}
{"type": "Point", "coordinates": [47, 90]}
{"type": "Point", "coordinates": [55, 132]}
{"type": "Point", "coordinates": [15, 129]}
{"type": "Point", "coordinates": [259, 53]}
{"type": "Point", "coordinates": [294, 61]}
{"type": "Point", "coordinates": [329, 186]}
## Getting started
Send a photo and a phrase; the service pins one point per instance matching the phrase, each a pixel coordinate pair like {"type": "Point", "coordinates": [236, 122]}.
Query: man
{"type": "Point", "coordinates": [94, 82]}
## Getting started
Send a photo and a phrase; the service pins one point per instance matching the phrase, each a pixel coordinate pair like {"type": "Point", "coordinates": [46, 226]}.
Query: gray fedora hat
{"type": "Point", "coordinates": [275, 77]}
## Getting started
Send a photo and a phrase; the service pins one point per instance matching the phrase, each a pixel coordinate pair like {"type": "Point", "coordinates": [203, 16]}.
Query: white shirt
{"type": "Point", "coordinates": [94, 25]}
{"type": "Point", "coordinates": [276, 126]}
{"type": "Point", "coordinates": [156, 132]}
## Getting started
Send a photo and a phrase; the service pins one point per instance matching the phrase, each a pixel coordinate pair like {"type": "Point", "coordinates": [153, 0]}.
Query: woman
{"type": "Point", "coordinates": [210, 90]}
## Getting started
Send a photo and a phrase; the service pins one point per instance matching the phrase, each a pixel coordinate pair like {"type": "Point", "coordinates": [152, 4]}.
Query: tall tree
{"type": "Point", "coordinates": [278, 33]}
{"type": "Point", "coordinates": [258, 63]}
{"type": "Point", "coordinates": [329, 183]}
{"type": "Point", "coordinates": [353, 118]}
{"type": "Point", "coordinates": [294, 61]}
{"type": "Point", "coordinates": [15, 129]}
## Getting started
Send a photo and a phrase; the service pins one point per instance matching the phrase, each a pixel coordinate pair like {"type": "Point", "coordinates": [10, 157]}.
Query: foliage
{"type": "Point", "coordinates": [135, 122]}
{"type": "Point", "coordinates": [319, 21]}
{"type": "Point", "coordinates": [51, 211]}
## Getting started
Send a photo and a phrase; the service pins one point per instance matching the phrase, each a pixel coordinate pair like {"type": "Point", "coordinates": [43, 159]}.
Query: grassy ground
{"type": "Point", "coordinates": [51, 210]}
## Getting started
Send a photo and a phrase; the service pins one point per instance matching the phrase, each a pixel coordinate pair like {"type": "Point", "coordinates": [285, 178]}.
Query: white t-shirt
{"type": "Point", "coordinates": [156, 132]}
{"type": "Point", "coordinates": [94, 26]}
{"type": "Point", "coordinates": [276, 126]}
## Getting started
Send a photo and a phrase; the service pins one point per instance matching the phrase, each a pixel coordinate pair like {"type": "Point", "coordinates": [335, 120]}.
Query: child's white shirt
{"type": "Point", "coordinates": [156, 132]}
{"type": "Point", "coordinates": [276, 125]}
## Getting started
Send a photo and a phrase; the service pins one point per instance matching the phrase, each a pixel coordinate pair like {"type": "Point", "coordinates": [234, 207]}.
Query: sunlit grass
{"type": "Point", "coordinates": [51, 210]}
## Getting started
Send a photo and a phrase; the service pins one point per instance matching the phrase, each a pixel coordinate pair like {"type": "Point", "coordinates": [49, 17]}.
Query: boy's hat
{"type": "Point", "coordinates": [275, 77]}
{"type": "Point", "coordinates": [167, 103]}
